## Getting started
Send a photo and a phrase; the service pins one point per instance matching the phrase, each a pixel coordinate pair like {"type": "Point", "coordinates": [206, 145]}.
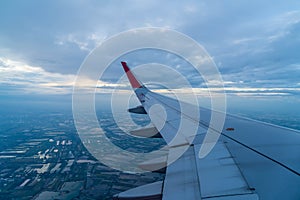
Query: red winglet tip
{"type": "Point", "coordinates": [126, 68]}
{"type": "Point", "coordinates": [134, 82]}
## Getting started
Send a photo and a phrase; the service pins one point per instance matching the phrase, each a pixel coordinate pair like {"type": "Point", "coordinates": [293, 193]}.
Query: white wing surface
{"type": "Point", "coordinates": [251, 160]}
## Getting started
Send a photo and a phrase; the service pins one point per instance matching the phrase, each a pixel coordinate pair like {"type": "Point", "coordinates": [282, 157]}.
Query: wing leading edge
{"type": "Point", "coordinates": [252, 160]}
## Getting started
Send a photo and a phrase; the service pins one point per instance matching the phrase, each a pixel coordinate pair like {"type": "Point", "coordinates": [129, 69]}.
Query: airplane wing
{"type": "Point", "coordinates": [251, 160]}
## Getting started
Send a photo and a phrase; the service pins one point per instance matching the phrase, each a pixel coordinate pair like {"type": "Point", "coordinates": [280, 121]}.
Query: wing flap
{"type": "Point", "coordinates": [150, 132]}
{"type": "Point", "coordinates": [215, 177]}
{"type": "Point", "coordinates": [181, 181]}
{"type": "Point", "coordinates": [150, 191]}
{"type": "Point", "coordinates": [219, 176]}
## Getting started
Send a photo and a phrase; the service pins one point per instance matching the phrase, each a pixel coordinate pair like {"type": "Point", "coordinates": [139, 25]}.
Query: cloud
{"type": "Point", "coordinates": [265, 57]}
{"type": "Point", "coordinates": [24, 78]}
{"type": "Point", "coordinates": [259, 48]}
{"type": "Point", "coordinates": [58, 35]}
{"type": "Point", "coordinates": [84, 43]}
{"type": "Point", "coordinates": [32, 79]}
{"type": "Point", "coordinates": [233, 91]}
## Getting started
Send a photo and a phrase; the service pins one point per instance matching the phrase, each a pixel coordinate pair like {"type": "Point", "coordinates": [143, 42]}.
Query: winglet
{"type": "Point", "coordinates": [133, 81]}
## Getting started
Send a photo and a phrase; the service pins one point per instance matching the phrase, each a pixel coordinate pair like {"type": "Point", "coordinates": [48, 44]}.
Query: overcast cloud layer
{"type": "Point", "coordinates": [255, 44]}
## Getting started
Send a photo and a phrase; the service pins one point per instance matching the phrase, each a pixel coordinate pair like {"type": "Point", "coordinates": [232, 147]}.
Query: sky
{"type": "Point", "coordinates": [255, 44]}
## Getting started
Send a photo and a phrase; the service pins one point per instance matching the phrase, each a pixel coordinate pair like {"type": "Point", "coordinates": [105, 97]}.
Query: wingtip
{"type": "Point", "coordinates": [134, 82]}
{"type": "Point", "coordinates": [125, 67]}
